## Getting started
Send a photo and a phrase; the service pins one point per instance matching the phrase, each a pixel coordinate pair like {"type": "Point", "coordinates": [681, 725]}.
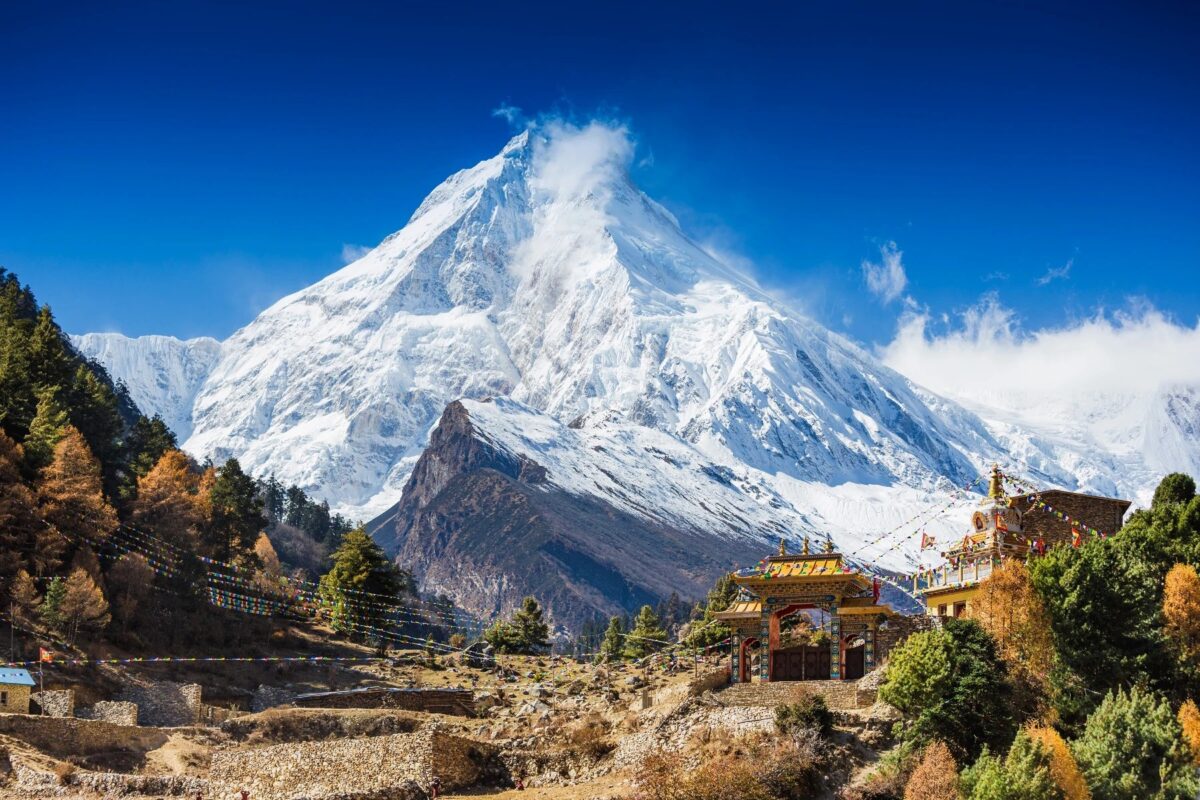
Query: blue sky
{"type": "Point", "coordinates": [175, 167]}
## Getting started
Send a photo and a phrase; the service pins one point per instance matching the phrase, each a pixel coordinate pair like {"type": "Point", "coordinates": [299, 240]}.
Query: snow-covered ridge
{"type": "Point", "coordinates": [545, 276]}
{"type": "Point", "coordinates": [163, 374]}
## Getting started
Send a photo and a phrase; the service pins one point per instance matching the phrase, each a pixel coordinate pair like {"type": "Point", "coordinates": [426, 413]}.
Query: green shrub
{"type": "Point", "coordinates": [1024, 774]}
{"type": "Point", "coordinates": [809, 712]}
{"type": "Point", "coordinates": [1133, 748]}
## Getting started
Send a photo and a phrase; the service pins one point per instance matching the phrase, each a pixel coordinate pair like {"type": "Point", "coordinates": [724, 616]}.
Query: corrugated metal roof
{"type": "Point", "coordinates": [10, 676]}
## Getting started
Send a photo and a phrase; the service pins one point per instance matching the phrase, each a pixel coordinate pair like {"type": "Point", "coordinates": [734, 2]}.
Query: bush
{"type": "Point", "coordinates": [1063, 767]}
{"type": "Point", "coordinates": [762, 770]}
{"type": "Point", "coordinates": [953, 686]}
{"type": "Point", "coordinates": [589, 737]}
{"type": "Point", "coordinates": [1133, 748]}
{"type": "Point", "coordinates": [809, 712]}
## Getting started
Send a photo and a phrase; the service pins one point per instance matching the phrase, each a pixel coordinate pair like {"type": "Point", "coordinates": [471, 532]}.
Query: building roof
{"type": "Point", "coordinates": [1117, 501]}
{"type": "Point", "coordinates": [10, 676]}
{"type": "Point", "coordinates": [742, 608]}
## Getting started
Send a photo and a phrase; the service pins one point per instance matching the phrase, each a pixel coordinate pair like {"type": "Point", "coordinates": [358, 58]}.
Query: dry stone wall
{"type": "Point", "coordinates": [54, 703]}
{"type": "Point", "coordinates": [459, 702]}
{"type": "Point", "coordinates": [67, 736]}
{"type": "Point", "coordinates": [164, 704]}
{"type": "Point", "coordinates": [397, 765]}
{"type": "Point", "coordinates": [117, 712]}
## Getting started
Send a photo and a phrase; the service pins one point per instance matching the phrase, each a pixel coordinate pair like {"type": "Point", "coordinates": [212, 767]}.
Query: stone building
{"type": "Point", "coordinates": [15, 687]}
{"type": "Point", "coordinates": [831, 611]}
{"type": "Point", "coordinates": [1012, 526]}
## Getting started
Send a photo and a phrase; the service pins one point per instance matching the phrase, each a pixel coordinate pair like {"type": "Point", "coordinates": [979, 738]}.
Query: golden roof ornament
{"type": "Point", "coordinates": [805, 550]}
{"type": "Point", "coordinates": [996, 488]}
{"type": "Point", "coordinates": [829, 545]}
{"type": "Point", "coordinates": [782, 546]}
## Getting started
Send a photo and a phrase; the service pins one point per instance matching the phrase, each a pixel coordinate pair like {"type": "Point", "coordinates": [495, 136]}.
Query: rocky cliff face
{"type": "Point", "coordinates": [488, 526]}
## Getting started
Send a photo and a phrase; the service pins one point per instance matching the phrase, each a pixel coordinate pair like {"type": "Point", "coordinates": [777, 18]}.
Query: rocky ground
{"type": "Point", "coordinates": [568, 730]}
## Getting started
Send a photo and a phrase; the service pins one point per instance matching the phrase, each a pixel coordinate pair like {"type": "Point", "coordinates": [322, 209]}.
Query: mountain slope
{"type": "Point", "coordinates": [162, 373]}
{"type": "Point", "coordinates": [544, 274]}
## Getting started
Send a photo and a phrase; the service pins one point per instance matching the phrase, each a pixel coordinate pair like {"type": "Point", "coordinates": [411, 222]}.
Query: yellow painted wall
{"type": "Point", "coordinates": [948, 599]}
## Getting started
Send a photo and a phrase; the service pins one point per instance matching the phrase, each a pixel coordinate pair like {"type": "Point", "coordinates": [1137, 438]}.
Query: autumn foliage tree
{"type": "Point", "coordinates": [936, 775]}
{"type": "Point", "coordinates": [83, 606]}
{"type": "Point", "coordinates": [1010, 609]}
{"type": "Point", "coordinates": [130, 580]}
{"type": "Point", "coordinates": [1063, 767]}
{"type": "Point", "coordinates": [1189, 720]}
{"type": "Point", "coordinates": [19, 524]}
{"type": "Point", "coordinates": [71, 497]}
{"type": "Point", "coordinates": [1181, 610]}
{"type": "Point", "coordinates": [169, 502]}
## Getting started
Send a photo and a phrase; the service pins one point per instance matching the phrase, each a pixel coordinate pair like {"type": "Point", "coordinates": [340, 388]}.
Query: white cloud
{"type": "Point", "coordinates": [1057, 273]}
{"type": "Point", "coordinates": [353, 252]}
{"type": "Point", "coordinates": [887, 279]}
{"type": "Point", "coordinates": [572, 161]}
{"type": "Point", "coordinates": [512, 114]}
{"type": "Point", "coordinates": [988, 354]}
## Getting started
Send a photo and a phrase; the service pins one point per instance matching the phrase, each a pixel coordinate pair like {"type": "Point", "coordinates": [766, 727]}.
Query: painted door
{"type": "Point", "coordinates": [854, 663]}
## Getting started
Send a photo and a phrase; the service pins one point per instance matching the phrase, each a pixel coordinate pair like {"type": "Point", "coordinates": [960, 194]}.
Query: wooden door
{"type": "Point", "coordinates": [854, 663]}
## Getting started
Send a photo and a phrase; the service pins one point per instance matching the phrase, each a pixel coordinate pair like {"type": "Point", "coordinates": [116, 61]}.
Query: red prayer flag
{"type": "Point", "coordinates": [44, 654]}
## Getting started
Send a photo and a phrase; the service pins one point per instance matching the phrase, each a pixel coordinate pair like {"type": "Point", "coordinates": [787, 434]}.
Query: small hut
{"type": "Point", "coordinates": [15, 686]}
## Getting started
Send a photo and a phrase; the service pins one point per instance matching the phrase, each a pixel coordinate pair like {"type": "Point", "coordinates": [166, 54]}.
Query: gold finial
{"type": "Point", "coordinates": [782, 546]}
{"type": "Point", "coordinates": [996, 489]}
{"type": "Point", "coordinates": [805, 550]}
{"type": "Point", "coordinates": [829, 545]}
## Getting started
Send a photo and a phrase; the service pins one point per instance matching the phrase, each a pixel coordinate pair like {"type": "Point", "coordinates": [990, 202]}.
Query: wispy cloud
{"type": "Point", "coordinates": [995, 276]}
{"type": "Point", "coordinates": [1057, 273]}
{"type": "Point", "coordinates": [511, 114]}
{"type": "Point", "coordinates": [353, 252]}
{"type": "Point", "coordinates": [886, 279]}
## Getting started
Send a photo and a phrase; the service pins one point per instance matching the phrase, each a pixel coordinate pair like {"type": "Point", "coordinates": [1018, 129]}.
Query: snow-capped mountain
{"type": "Point", "coordinates": [162, 373]}
{"type": "Point", "coordinates": [544, 276]}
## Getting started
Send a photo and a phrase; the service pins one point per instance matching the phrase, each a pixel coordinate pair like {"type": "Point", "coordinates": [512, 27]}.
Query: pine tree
{"type": "Point", "coordinates": [1133, 747]}
{"type": "Point", "coordinates": [94, 413]}
{"type": "Point", "coordinates": [533, 633]}
{"type": "Point", "coordinates": [50, 609]}
{"type": "Point", "coordinates": [168, 501]}
{"type": "Point", "coordinates": [237, 512]}
{"type": "Point", "coordinates": [612, 648]}
{"type": "Point", "coordinates": [360, 566]}
{"type": "Point", "coordinates": [149, 440]}
{"type": "Point", "coordinates": [71, 498]}
{"type": "Point", "coordinates": [647, 635]}
{"type": "Point", "coordinates": [83, 606]}
{"type": "Point", "coordinates": [50, 360]}
{"type": "Point", "coordinates": [707, 630]}
{"type": "Point", "coordinates": [47, 429]}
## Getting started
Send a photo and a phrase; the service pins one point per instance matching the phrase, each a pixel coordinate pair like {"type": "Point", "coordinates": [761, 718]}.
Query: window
{"type": "Point", "coordinates": [3, 698]}
{"type": "Point", "coordinates": [960, 609]}
{"type": "Point", "coordinates": [942, 610]}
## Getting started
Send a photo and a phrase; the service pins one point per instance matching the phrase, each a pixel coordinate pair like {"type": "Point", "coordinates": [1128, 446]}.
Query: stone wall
{"type": "Point", "coordinates": [15, 699]}
{"type": "Point", "coordinates": [164, 704]}
{"type": "Point", "coordinates": [1103, 513]}
{"type": "Point", "coordinates": [460, 702]}
{"type": "Point", "coordinates": [271, 696]}
{"type": "Point", "coordinates": [53, 703]}
{"type": "Point", "coordinates": [116, 712]}
{"type": "Point", "coordinates": [31, 781]}
{"type": "Point", "coordinates": [68, 736]}
{"type": "Point", "coordinates": [374, 766]}
{"type": "Point", "coordinates": [709, 681]}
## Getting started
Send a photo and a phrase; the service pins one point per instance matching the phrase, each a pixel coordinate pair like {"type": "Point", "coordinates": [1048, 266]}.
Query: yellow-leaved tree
{"type": "Point", "coordinates": [936, 776]}
{"type": "Point", "coordinates": [1181, 609]}
{"type": "Point", "coordinates": [1189, 720]}
{"type": "Point", "coordinates": [71, 499]}
{"type": "Point", "coordinates": [1063, 767]}
{"type": "Point", "coordinates": [168, 501]}
{"type": "Point", "coordinates": [1009, 608]}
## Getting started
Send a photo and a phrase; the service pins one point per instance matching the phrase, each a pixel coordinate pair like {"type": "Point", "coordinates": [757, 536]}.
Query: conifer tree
{"type": "Point", "coordinates": [647, 635]}
{"type": "Point", "coordinates": [47, 429]}
{"type": "Point", "coordinates": [83, 605]}
{"type": "Point", "coordinates": [357, 587]}
{"type": "Point", "coordinates": [1024, 774]}
{"type": "Point", "coordinates": [1132, 748]}
{"type": "Point", "coordinates": [237, 512]}
{"type": "Point", "coordinates": [94, 413]}
{"type": "Point", "coordinates": [1181, 610]}
{"type": "Point", "coordinates": [612, 648]}
{"type": "Point", "coordinates": [168, 501]}
{"type": "Point", "coordinates": [50, 361]}
{"type": "Point", "coordinates": [1189, 722]}
{"type": "Point", "coordinates": [25, 600]}
{"type": "Point", "coordinates": [19, 523]}
{"type": "Point", "coordinates": [50, 609]}
{"type": "Point", "coordinates": [936, 775]}
{"type": "Point", "coordinates": [526, 632]}
{"type": "Point", "coordinates": [707, 631]}
{"type": "Point", "coordinates": [1063, 767]}
{"type": "Point", "coordinates": [130, 579]}
{"type": "Point", "coordinates": [71, 498]}
{"type": "Point", "coordinates": [149, 440]}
